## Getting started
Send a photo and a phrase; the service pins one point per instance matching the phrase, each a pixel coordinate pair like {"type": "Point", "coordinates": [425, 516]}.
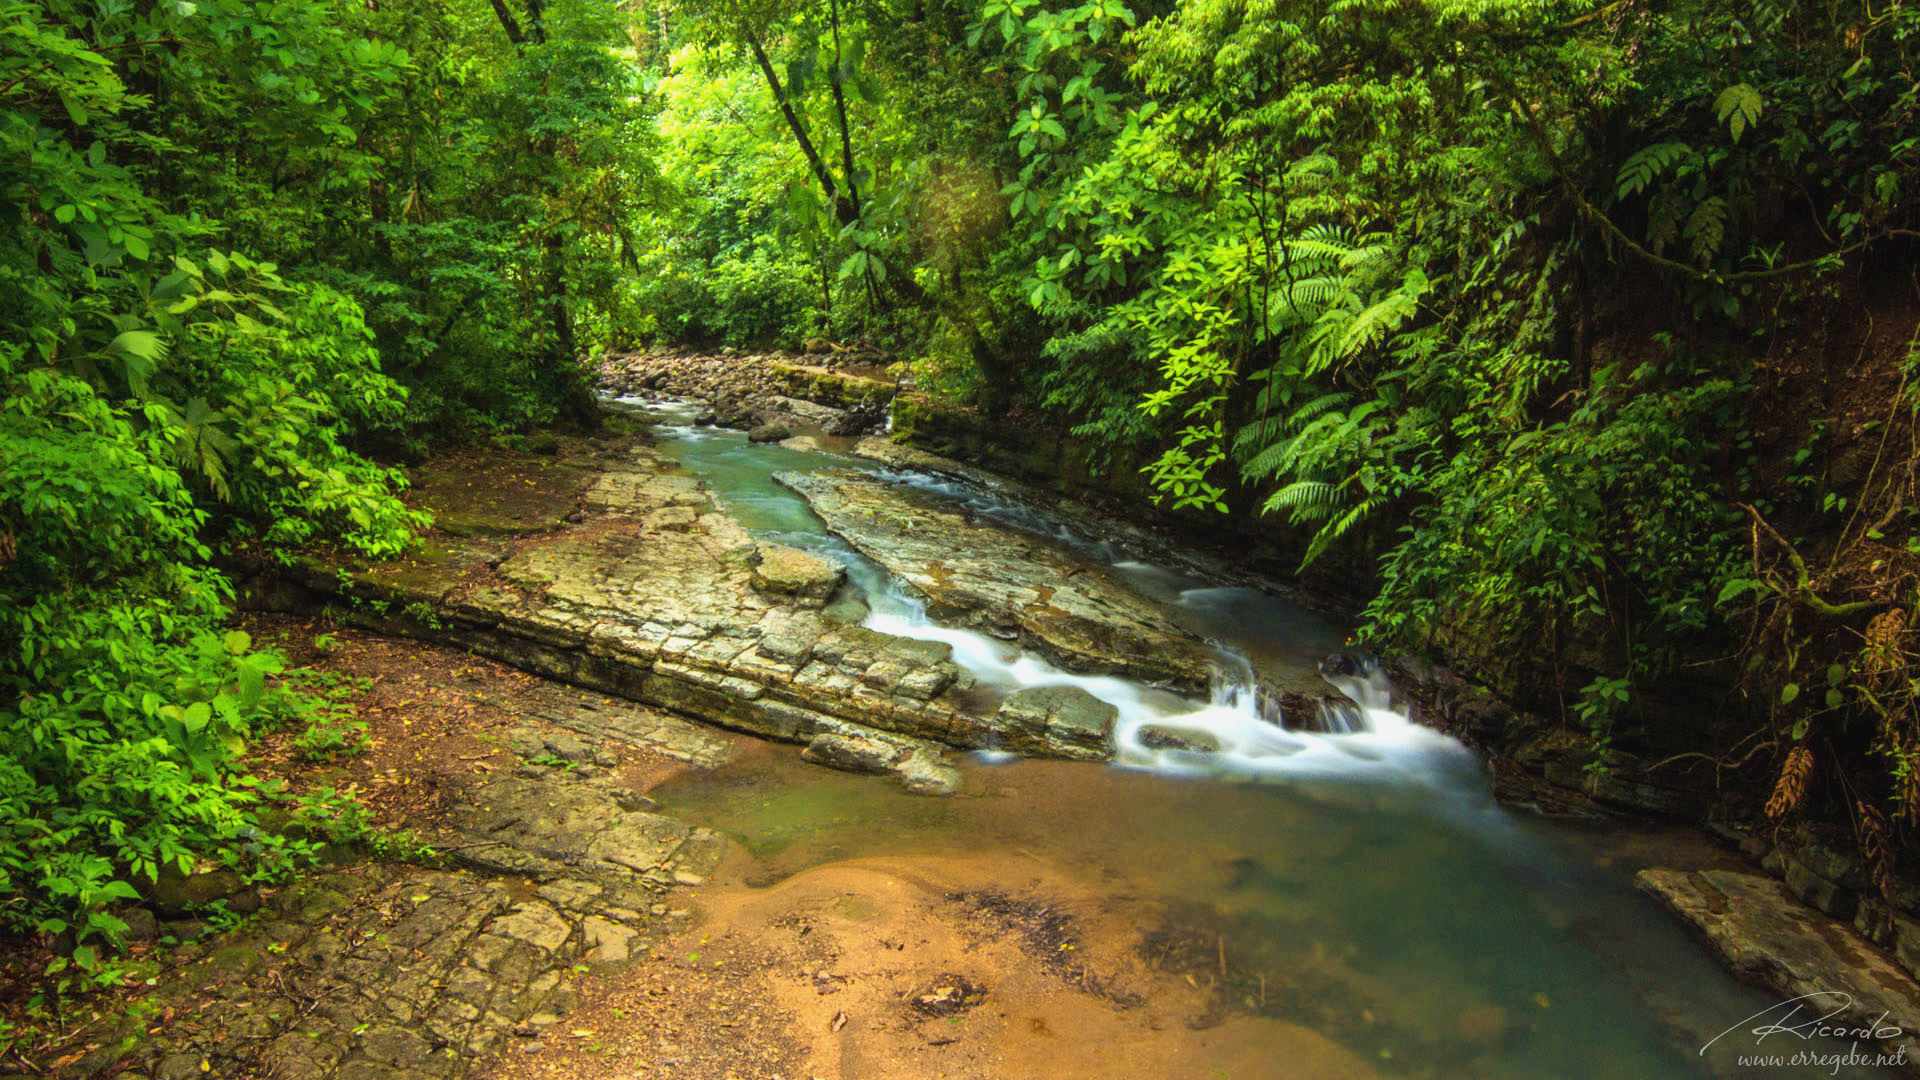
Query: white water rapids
{"type": "Point", "coordinates": [1377, 740]}
{"type": "Point", "coordinates": [1381, 739]}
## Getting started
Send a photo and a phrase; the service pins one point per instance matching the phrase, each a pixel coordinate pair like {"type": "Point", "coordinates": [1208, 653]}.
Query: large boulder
{"type": "Point", "coordinates": [1057, 721]}
{"type": "Point", "coordinates": [806, 577]}
{"type": "Point", "coordinates": [915, 764]}
{"type": "Point", "coordinates": [852, 753]}
{"type": "Point", "coordinates": [811, 414]}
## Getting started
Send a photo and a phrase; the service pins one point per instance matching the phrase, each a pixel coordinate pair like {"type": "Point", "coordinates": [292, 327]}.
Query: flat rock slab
{"type": "Point", "coordinates": [900, 455]}
{"type": "Point", "coordinates": [397, 972]}
{"type": "Point", "coordinates": [1769, 937]}
{"type": "Point", "coordinates": [601, 719]}
{"type": "Point", "coordinates": [1001, 579]}
{"type": "Point", "coordinates": [652, 594]}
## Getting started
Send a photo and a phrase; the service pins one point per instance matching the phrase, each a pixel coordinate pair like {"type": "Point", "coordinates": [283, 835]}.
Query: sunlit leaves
{"type": "Point", "coordinates": [1739, 107]}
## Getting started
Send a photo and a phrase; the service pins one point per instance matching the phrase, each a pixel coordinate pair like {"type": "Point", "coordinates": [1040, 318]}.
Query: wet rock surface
{"type": "Point", "coordinates": [999, 579]}
{"type": "Point", "coordinates": [787, 571]}
{"type": "Point", "coordinates": [1770, 937]}
{"type": "Point", "coordinates": [836, 392]}
{"type": "Point", "coordinates": [658, 596]}
{"type": "Point", "coordinates": [1057, 721]}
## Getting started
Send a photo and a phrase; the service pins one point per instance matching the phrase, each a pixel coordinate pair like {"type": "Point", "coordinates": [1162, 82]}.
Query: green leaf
{"type": "Point", "coordinates": [1737, 588]}
{"type": "Point", "coordinates": [144, 344]}
{"type": "Point", "coordinates": [1647, 165]}
{"type": "Point", "coordinates": [1739, 107]}
{"type": "Point", "coordinates": [1789, 693]}
{"type": "Point", "coordinates": [237, 641]}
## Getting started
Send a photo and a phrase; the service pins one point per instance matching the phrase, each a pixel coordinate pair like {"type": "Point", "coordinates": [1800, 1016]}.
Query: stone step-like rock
{"type": "Point", "coordinates": [400, 972]}
{"type": "Point", "coordinates": [993, 577]}
{"type": "Point", "coordinates": [689, 615]}
{"type": "Point", "coordinates": [1769, 937]}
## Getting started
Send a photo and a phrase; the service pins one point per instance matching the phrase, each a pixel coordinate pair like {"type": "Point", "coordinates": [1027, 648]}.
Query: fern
{"type": "Point", "coordinates": [1372, 325]}
{"type": "Point", "coordinates": [1337, 529]}
{"type": "Point", "coordinates": [1648, 165]}
{"type": "Point", "coordinates": [1707, 228]}
{"type": "Point", "coordinates": [1299, 417]}
{"type": "Point", "coordinates": [1306, 500]}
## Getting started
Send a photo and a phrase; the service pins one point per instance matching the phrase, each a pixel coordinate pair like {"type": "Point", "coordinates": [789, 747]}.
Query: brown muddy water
{"type": "Point", "coordinates": [1234, 929]}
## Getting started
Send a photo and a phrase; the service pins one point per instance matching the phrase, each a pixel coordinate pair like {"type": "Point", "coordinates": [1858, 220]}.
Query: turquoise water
{"type": "Point", "coordinates": [1397, 910]}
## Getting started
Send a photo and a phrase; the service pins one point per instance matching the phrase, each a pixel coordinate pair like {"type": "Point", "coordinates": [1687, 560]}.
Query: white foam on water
{"type": "Point", "coordinates": [1381, 741]}
{"type": "Point", "coordinates": [1378, 741]}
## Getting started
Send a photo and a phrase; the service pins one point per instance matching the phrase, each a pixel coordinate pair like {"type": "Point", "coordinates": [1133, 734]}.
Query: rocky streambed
{"type": "Point", "coordinates": [1368, 907]}
{"type": "Point", "coordinates": [649, 589]}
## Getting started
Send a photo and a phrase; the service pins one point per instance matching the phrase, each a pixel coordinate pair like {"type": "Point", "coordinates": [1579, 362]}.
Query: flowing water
{"type": "Point", "coordinates": [1370, 886]}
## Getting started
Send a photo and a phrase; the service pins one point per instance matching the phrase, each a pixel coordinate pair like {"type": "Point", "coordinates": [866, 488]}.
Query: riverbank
{"type": "Point", "coordinates": [1540, 764]}
{"type": "Point", "coordinates": [619, 878]}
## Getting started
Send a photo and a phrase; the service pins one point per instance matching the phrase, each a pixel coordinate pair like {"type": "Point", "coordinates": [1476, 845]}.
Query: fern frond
{"type": "Point", "coordinates": [1305, 500]}
{"type": "Point", "coordinates": [1298, 418]}
{"type": "Point", "coordinates": [1707, 228]}
{"type": "Point", "coordinates": [1647, 165]}
{"type": "Point", "coordinates": [1332, 532]}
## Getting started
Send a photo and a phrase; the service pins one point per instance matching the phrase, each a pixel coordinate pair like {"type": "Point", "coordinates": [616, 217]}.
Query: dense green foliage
{"type": "Point", "coordinates": [242, 243]}
{"type": "Point", "coordinates": [1475, 295]}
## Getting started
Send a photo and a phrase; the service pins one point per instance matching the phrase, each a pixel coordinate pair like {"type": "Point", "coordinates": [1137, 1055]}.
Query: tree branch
{"type": "Point", "coordinates": [510, 24]}
{"type": "Point", "coordinates": [842, 209]}
{"type": "Point", "coordinates": [1600, 218]}
{"type": "Point", "coordinates": [840, 108]}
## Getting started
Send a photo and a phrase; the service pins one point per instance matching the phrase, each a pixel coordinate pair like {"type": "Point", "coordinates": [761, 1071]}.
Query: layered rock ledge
{"type": "Point", "coordinates": [396, 971]}
{"type": "Point", "coordinates": [650, 592]}
{"type": "Point", "coordinates": [1769, 937]}
{"type": "Point", "coordinates": [1017, 586]}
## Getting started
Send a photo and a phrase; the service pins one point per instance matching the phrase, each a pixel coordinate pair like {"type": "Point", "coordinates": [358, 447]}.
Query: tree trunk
{"type": "Point", "coordinates": [840, 110]}
{"type": "Point", "coordinates": [846, 212]}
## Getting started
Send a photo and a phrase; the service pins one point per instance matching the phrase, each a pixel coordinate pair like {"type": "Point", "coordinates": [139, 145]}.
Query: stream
{"type": "Point", "coordinates": [1358, 881]}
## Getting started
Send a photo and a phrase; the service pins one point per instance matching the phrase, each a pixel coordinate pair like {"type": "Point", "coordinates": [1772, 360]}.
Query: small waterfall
{"type": "Point", "coordinates": [1340, 718]}
{"type": "Point", "coordinates": [1240, 729]}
